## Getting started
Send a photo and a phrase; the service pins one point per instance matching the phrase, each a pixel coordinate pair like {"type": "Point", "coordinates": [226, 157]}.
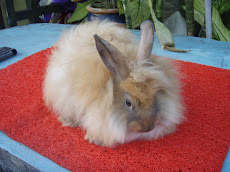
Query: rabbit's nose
{"type": "Point", "coordinates": [147, 128]}
{"type": "Point", "coordinates": [141, 127]}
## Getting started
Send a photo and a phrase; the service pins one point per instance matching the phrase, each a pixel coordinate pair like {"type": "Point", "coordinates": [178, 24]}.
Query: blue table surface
{"type": "Point", "coordinates": [32, 38]}
{"type": "Point", "coordinates": [29, 39]}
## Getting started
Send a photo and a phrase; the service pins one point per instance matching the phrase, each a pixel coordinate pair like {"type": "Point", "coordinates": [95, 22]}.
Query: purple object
{"type": "Point", "coordinates": [67, 4]}
{"type": "Point", "coordinates": [47, 18]}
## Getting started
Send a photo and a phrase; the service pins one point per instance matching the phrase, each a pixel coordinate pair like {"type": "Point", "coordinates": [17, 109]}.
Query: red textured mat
{"type": "Point", "coordinates": [200, 144]}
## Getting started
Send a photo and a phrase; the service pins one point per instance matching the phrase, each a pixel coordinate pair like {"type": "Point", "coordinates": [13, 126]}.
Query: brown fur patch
{"type": "Point", "coordinates": [144, 92]}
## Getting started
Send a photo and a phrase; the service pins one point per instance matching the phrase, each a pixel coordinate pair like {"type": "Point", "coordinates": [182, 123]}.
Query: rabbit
{"type": "Point", "coordinates": [100, 78]}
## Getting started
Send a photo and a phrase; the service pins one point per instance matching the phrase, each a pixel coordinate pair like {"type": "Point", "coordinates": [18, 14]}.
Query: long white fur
{"type": "Point", "coordinates": [79, 88]}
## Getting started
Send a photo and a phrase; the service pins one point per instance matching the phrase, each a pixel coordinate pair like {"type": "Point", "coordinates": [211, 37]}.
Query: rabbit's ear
{"type": "Point", "coordinates": [113, 59]}
{"type": "Point", "coordinates": [146, 42]}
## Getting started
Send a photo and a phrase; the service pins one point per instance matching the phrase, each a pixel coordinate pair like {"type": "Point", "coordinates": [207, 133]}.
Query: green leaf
{"type": "Point", "coordinates": [127, 10]}
{"type": "Point", "coordinates": [79, 13]}
{"type": "Point", "coordinates": [199, 17]}
{"type": "Point", "coordinates": [220, 32]}
{"type": "Point", "coordinates": [120, 7]}
{"type": "Point", "coordinates": [139, 12]}
{"type": "Point", "coordinates": [222, 6]}
{"type": "Point", "coordinates": [199, 5]}
{"type": "Point", "coordinates": [163, 33]}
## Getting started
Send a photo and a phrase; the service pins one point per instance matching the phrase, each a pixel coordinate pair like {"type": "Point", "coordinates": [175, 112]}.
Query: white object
{"type": "Point", "coordinates": [176, 24]}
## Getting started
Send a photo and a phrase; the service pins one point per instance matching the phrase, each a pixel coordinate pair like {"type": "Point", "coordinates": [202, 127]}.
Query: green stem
{"type": "Point", "coordinates": [149, 2]}
{"type": "Point", "coordinates": [113, 2]}
{"type": "Point", "coordinates": [126, 5]}
{"type": "Point", "coordinates": [159, 9]}
{"type": "Point", "coordinates": [189, 17]}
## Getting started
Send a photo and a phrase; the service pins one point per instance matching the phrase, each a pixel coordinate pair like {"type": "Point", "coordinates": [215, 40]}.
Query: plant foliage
{"type": "Point", "coordinates": [120, 7]}
{"type": "Point", "coordinates": [79, 13]}
{"type": "Point", "coordinates": [163, 33]}
{"type": "Point", "coordinates": [222, 6]}
{"type": "Point", "coordinates": [220, 32]}
{"type": "Point", "coordinates": [139, 12]}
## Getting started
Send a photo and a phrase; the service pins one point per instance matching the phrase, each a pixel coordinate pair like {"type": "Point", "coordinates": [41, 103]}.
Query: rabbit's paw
{"type": "Point", "coordinates": [67, 122]}
{"type": "Point", "coordinates": [93, 140]}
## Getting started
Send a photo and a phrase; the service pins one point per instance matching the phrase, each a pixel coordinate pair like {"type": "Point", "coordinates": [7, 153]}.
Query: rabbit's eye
{"type": "Point", "coordinates": [128, 103]}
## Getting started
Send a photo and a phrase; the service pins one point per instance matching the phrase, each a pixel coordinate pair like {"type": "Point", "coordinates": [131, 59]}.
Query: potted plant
{"type": "Point", "coordinates": [89, 9]}
{"type": "Point", "coordinates": [105, 9]}
{"type": "Point", "coordinates": [136, 11]}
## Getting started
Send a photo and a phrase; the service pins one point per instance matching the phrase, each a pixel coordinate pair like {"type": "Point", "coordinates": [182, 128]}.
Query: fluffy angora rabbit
{"type": "Point", "coordinates": [100, 78]}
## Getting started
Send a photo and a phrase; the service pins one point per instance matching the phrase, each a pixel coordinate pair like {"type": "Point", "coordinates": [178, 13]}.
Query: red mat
{"type": "Point", "coordinates": [200, 144]}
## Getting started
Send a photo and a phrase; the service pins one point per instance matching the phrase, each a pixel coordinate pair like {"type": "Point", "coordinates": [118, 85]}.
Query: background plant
{"type": "Point", "coordinates": [136, 11]}
{"type": "Point", "coordinates": [219, 7]}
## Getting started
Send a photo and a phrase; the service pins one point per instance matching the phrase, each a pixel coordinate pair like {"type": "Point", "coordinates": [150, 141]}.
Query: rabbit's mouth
{"type": "Point", "coordinates": [142, 127]}
{"type": "Point", "coordinates": [146, 129]}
